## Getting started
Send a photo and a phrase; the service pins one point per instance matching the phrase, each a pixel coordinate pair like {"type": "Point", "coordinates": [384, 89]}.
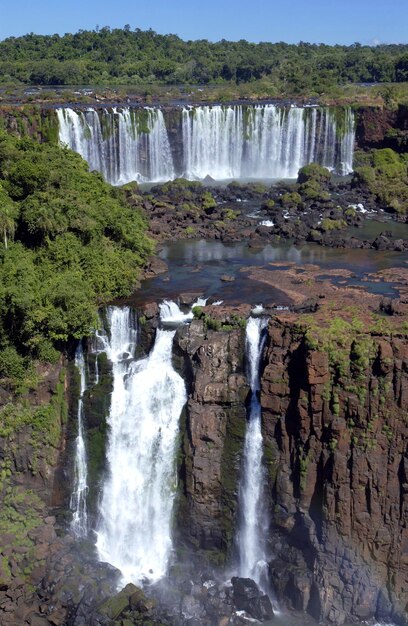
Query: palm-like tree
{"type": "Point", "coordinates": [8, 216]}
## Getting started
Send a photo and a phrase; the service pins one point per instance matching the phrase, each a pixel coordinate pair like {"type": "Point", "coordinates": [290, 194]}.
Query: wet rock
{"type": "Point", "coordinates": [190, 297]}
{"type": "Point", "coordinates": [382, 243]}
{"type": "Point", "coordinates": [215, 427]}
{"type": "Point", "coordinates": [155, 267]}
{"type": "Point", "coordinates": [150, 310]}
{"type": "Point", "coordinates": [249, 598]}
{"type": "Point", "coordinates": [310, 305]}
{"type": "Point", "coordinates": [115, 606]}
{"type": "Point", "coordinates": [340, 528]}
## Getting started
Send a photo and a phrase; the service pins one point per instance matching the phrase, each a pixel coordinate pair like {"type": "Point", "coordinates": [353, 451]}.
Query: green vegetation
{"type": "Point", "coordinates": [385, 174]}
{"type": "Point", "coordinates": [210, 323]}
{"type": "Point", "coordinates": [329, 224]}
{"type": "Point", "coordinates": [313, 172]}
{"type": "Point", "coordinates": [41, 425]}
{"type": "Point", "coordinates": [312, 180]}
{"type": "Point", "coordinates": [20, 514]}
{"type": "Point", "coordinates": [125, 57]}
{"type": "Point", "coordinates": [69, 243]}
{"type": "Point", "coordinates": [348, 347]}
{"type": "Point", "coordinates": [30, 121]}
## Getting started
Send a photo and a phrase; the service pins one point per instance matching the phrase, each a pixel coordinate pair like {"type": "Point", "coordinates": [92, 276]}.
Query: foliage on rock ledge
{"type": "Point", "coordinates": [69, 242]}
{"type": "Point", "coordinates": [385, 174]}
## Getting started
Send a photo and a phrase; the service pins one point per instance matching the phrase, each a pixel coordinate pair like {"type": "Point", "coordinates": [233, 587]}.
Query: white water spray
{"type": "Point", "coordinates": [79, 523]}
{"type": "Point", "coordinates": [254, 523]}
{"type": "Point", "coordinates": [148, 395]}
{"type": "Point", "coordinates": [170, 312]}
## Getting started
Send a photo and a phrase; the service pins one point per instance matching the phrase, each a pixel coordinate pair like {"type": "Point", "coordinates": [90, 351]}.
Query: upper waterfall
{"type": "Point", "coordinates": [224, 142]}
{"type": "Point", "coordinates": [123, 144]}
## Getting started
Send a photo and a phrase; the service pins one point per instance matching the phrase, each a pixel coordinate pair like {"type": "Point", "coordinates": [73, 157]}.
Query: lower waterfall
{"type": "Point", "coordinates": [79, 523]}
{"type": "Point", "coordinates": [253, 525]}
{"type": "Point", "coordinates": [148, 396]}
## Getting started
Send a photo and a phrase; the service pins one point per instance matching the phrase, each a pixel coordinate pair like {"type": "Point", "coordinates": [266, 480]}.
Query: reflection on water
{"type": "Point", "coordinates": [372, 228]}
{"type": "Point", "coordinates": [213, 269]}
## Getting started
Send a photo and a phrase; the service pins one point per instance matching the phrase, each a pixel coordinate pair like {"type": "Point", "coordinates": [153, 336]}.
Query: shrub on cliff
{"type": "Point", "coordinates": [69, 242]}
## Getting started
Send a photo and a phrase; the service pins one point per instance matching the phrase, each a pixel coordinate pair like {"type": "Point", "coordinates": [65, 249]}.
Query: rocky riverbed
{"type": "Point", "coordinates": [329, 212]}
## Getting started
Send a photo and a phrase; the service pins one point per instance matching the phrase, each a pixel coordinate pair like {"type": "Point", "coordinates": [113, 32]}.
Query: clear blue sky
{"type": "Point", "coordinates": [321, 21]}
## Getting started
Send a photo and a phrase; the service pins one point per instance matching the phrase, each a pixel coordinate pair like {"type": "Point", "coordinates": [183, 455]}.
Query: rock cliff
{"type": "Point", "coordinates": [213, 435]}
{"type": "Point", "coordinates": [334, 395]}
{"type": "Point", "coordinates": [335, 431]}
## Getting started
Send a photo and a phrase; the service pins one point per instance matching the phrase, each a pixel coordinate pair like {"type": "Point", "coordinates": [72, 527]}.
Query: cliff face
{"type": "Point", "coordinates": [338, 451]}
{"type": "Point", "coordinates": [215, 419]}
{"type": "Point", "coordinates": [335, 432]}
{"type": "Point", "coordinates": [376, 127]}
{"type": "Point", "coordinates": [382, 128]}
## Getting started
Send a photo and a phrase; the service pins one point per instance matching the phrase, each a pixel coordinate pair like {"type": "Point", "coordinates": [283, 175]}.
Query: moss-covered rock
{"type": "Point", "coordinates": [386, 177]}
{"type": "Point", "coordinates": [314, 172]}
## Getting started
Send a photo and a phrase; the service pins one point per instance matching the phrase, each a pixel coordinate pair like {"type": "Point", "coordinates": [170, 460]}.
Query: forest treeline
{"type": "Point", "coordinates": [130, 57]}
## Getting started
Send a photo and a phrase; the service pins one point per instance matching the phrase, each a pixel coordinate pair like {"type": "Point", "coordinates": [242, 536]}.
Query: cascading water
{"type": "Point", "coordinates": [134, 533]}
{"type": "Point", "coordinates": [79, 523]}
{"type": "Point", "coordinates": [261, 141]}
{"type": "Point", "coordinates": [264, 141]}
{"type": "Point", "coordinates": [347, 144]}
{"type": "Point", "coordinates": [123, 144]}
{"type": "Point", "coordinates": [253, 525]}
{"type": "Point", "coordinates": [170, 312]}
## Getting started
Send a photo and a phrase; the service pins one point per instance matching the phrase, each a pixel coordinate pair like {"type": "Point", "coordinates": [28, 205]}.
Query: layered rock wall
{"type": "Point", "coordinates": [215, 424]}
{"type": "Point", "coordinates": [335, 427]}
{"type": "Point", "coordinates": [335, 431]}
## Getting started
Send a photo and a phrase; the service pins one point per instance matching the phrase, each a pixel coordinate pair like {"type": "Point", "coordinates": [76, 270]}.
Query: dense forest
{"type": "Point", "coordinates": [124, 57]}
{"type": "Point", "coordinates": [68, 243]}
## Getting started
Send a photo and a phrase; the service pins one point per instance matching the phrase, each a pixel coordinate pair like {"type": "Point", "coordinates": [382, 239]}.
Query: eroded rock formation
{"type": "Point", "coordinates": [334, 423]}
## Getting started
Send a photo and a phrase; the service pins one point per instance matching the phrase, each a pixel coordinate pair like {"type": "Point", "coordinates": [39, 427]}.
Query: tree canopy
{"type": "Point", "coordinates": [125, 57]}
{"type": "Point", "coordinates": [69, 242]}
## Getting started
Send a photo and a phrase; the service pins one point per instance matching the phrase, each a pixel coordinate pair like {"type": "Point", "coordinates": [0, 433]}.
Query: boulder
{"type": "Point", "coordinates": [249, 598]}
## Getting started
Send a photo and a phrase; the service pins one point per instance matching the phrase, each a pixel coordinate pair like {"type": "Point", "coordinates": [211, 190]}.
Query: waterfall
{"type": "Point", "coordinates": [253, 516]}
{"type": "Point", "coordinates": [264, 141]}
{"type": "Point", "coordinates": [148, 396]}
{"type": "Point", "coordinates": [347, 143]}
{"type": "Point", "coordinates": [170, 312]}
{"type": "Point", "coordinates": [251, 141]}
{"type": "Point", "coordinates": [213, 141]}
{"type": "Point", "coordinates": [123, 144]}
{"type": "Point", "coordinates": [78, 498]}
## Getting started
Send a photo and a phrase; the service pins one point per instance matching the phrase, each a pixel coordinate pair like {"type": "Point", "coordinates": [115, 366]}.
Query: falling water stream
{"type": "Point", "coordinates": [79, 523]}
{"type": "Point", "coordinates": [134, 533]}
{"type": "Point", "coordinates": [253, 519]}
